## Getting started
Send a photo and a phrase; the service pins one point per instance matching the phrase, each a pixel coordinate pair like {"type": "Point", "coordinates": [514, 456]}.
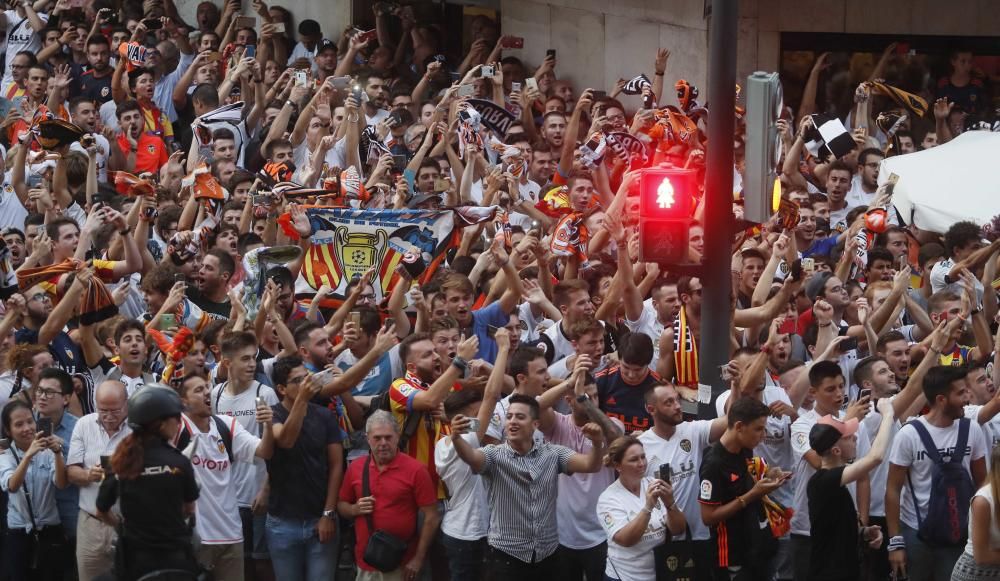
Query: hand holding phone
{"type": "Point", "coordinates": [44, 426]}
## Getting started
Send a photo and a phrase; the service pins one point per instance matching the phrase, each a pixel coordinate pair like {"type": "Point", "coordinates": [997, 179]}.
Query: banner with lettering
{"type": "Point", "coordinates": [495, 117]}
{"type": "Point", "coordinates": [346, 243]}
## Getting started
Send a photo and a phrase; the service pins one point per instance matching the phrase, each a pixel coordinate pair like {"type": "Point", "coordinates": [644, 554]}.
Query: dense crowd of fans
{"type": "Point", "coordinates": [289, 301]}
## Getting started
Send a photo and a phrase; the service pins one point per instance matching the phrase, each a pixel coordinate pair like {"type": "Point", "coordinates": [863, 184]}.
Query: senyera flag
{"type": "Point", "coordinates": [346, 243]}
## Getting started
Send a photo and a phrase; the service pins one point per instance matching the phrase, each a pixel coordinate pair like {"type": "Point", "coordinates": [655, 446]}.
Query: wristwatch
{"type": "Point", "coordinates": [330, 513]}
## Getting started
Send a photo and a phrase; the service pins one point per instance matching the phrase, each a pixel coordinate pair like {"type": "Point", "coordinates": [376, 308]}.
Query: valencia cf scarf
{"type": "Point", "coordinates": [685, 352]}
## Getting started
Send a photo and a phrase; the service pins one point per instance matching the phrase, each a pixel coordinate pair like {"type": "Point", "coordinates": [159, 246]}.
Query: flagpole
{"type": "Point", "coordinates": [716, 309]}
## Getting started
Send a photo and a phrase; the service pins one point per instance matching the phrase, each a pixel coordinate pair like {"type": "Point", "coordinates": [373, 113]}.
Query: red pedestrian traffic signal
{"type": "Point", "coordinates": [666, 207]}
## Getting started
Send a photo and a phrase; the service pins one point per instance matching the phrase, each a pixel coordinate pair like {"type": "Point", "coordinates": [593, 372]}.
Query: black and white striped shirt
{"type": "Point", "coordinates": [522, 492]}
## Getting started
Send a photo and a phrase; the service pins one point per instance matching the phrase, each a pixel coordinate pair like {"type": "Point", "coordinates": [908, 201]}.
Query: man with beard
{"type": "Point", "coordinates": [422, 391]}
{"type": "Point", "coordinates": [136, 150]}
{"type": "Point", "coordinates": [83, 113]}
{"type": "Point", "coordinates": [543, 163]}
{"type": "Point", "coordinates": [678, 345]}
{"type": "Point", "coordinates": [19, 75]}
{"type": "Point", "coordinates": [838, 182]}
{"type": "Point", "coordinates": [582, 539]}
{"type": "Point", "coordinates": [130, 344]}
{"type": "Point", "coordinates": [984, 404]}
{"type": "Point", "coordinates": [873, 373]}
{"type": "Point", "coordinates": [681, 444]}
{"type": "Point", "coordinates": [376, 108]}
{"type": "Point", "coordinates": [95, 82]}
{"type": "Point", "coordinates": [44, 323]}
{"type": "Point", "coordinates": [325, 60]}
{"type": "Point", "coordinates": [909, 484]}
{"type": "Point", "coordinates": [554, 130]}
{"type": "Point", "coordinates": [865, 182]}
{"type": "Point", "coordinates": [212, 292]}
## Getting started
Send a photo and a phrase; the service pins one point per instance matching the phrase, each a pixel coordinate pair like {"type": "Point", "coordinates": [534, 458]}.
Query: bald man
{"type": "Point", "coordinates": [95, 436]}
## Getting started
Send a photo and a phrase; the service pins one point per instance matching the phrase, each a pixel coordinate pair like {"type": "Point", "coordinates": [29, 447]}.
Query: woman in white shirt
{"type": "Point", "coordinates": [30, 471]}
{"type": "Point", "coordinates": [636, 512]}
{"type": "Point", "coordinates": [981, 558]}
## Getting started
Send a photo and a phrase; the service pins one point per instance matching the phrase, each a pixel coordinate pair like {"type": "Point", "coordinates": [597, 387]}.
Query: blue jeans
{"type": "Point", "coordinates": [296, 553]}
{"type": "Point", "coordinates": [465, 558]}
{"type": "Point", "coordinates": [925, 562]}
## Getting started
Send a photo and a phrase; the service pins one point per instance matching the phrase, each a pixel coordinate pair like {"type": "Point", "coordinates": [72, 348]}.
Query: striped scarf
{"type": "Point", "coordinates": [685, 352]}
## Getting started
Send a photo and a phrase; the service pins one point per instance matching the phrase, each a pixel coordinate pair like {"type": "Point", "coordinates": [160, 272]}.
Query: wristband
{"type": "Point", "coordinates": [647, 510]}
{"type": "Point", "coordinates": [826, 325]}
{"type": "Point", "coordinates": [289, 103]}
{"type": "Point", "coordinates": [896, 543]}
{"type": "Point", "coordinates": [460, 364]}
{"type": "Point", "coordinates": [125, 232]}
{"type": "Point", "coordinates": [659, 73]}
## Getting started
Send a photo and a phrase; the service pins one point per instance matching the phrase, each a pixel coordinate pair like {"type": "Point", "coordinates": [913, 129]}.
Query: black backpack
{"type": "Point", "coordinates": [946, 523]}
{"type": "Point", "coordinates": [184, 437]}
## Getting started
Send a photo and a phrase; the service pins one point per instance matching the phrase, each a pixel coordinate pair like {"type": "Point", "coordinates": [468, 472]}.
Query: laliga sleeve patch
{"type": "Point", "coordinates": [801, 439]}
{"type": "Point", "coordinates": [706, 490]}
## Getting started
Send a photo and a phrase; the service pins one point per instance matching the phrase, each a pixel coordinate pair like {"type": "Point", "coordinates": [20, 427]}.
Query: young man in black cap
{"type": "Point", "coordinates": [833, 519]}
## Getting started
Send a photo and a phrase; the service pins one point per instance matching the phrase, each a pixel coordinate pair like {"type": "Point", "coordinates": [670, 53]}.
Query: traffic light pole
{"type": "Point", "coordinates": [716, 309]}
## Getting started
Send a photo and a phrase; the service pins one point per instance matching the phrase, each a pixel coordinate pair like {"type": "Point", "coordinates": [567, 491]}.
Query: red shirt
{"type": "Point", "coordinates": [400, 490]}
{"type": "Point", "coordinates": [151, 154]}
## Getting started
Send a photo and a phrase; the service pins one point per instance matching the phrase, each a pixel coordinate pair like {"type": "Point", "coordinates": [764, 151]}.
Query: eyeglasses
{"type": "Point", "coordinates": [40, 297]}
{"type": "Point", "coordinates": [46, 393]}
{"type": "Point", "coordinates": [367, 297]}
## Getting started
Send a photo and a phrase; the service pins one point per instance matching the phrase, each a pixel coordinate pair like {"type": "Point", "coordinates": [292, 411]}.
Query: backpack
{"type": "Point", "coordinates": [946, 523]}
{"type": "Point", "coordinates": [184, 437]}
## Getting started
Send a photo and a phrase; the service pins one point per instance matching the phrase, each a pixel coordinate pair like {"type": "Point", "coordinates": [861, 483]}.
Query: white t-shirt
{"type": "Point", "coordinates": [683, 451]}
{"type": "Point", "coordinates": [20, 36]}
{"type": "Point", "coordinates": [908, 451]}
{"type": "Point", "coordinates": [12, 212]}
{"type": "Point", "coordinates": [218, 517]}
{"type": "Point", "coordinates": [938, 283]}
{"type": "Point", "coordinates": [615, 508]}
{"type": "Point", "coordinates": [880, 475]}
{"type": "Point", "coordinates": [248, 477]}
{"type": "Point", "coordinates": [578, 527]}
{"type": "Point", "coordinates": [987, 493]}
{"type": "Point", "coordinates": [991, 429]}
{"type": "Point", "coordinates": [468, 509]}
{"type": "Point", "coordinates": [803, 471]}
{"type": "Point", "coordinates": [561, 344]}
{"type": "Point", "coordinates": [776, 447]}
{"type": "Point", "coordinates": [104, 150]}
{"type": "Point", "coordinates": [530, 323]}
{"type": "Point", "coordinates": [648, 324]}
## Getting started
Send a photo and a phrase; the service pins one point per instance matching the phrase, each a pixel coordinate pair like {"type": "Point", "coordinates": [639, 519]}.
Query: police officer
{"type": "Point", "coordinates": [156, 486]}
